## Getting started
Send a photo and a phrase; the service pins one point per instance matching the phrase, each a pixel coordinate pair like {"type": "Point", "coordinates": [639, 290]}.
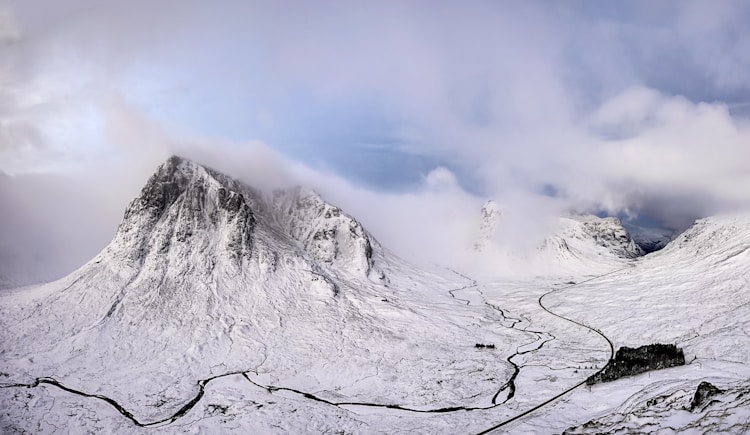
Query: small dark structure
{"type": "Point", "coordinates": [483, 346]}
{"type": "Point", "coordinates": [632, 361]}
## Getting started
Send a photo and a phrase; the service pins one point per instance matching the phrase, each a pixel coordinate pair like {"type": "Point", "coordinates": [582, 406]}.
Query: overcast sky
{"type": "Point", "coordinates": [636, 108]}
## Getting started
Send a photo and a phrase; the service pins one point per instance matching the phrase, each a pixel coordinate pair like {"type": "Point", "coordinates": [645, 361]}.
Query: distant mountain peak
{"type": "Point", "coordinates": [170, 180]}
{"type": "Point", "coordinates": [608, 232]}
{"type": "Point", "coordinates": [489, 220]}
{"type": "Point", "coordinates": [576, 238]}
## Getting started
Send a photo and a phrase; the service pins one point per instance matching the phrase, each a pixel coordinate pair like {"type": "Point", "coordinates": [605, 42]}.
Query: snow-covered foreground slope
{"type": "Point", "coordinates": [695, 293]}
{"type": "Point", "coordinates": [217, 308]}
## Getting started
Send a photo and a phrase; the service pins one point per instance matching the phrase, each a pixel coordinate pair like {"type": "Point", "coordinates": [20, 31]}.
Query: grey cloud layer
{"type": "Point", "coordinates": [622, 106]}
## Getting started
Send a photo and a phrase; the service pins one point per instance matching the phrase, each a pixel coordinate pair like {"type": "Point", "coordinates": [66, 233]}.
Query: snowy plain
{"type": "Point", "coordinates": [220, 309]}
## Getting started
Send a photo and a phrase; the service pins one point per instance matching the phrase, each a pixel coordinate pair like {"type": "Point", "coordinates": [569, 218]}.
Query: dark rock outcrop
{"type": "Point", "coordinates": [703, 393]}
{"type": "Point", "coordinates": [183, 199]}
{"type": "Point", "coordinates": [632, 361]}
{"type": "Point", "coordinates": [609, 233]}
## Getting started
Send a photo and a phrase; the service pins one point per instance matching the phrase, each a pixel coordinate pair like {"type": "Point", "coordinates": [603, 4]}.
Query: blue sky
{"type": "Point", "coordinates": [635, 108]}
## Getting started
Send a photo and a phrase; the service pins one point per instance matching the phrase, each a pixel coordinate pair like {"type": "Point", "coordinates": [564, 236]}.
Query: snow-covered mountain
{"type": "Point", "coordinates": [584, 237]}
{"type": "Point", "coordinates": [490, 216]}
{"type": "Point", "coordinates": [221, 308]}
{"type": "Point", "coordinates": [325, 232]}
{"type": "Point", "coordinates": [201, 269]}
{"type": "Point", "coordinates": [564, 244]}
{"type": "Point", "coordinates": [209, 277]}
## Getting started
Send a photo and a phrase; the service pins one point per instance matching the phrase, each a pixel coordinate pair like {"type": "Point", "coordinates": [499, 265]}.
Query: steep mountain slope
{"type": "Point", "coordinates": [325, 232]}
{"type": "Point", "coordinates": [581, 242]}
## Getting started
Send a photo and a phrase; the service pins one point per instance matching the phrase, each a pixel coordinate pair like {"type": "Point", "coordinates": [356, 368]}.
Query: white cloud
{"type": "Point", "coordinates": [440, 180]}
{"type": "Point", "coordinates": [524, 96]}
{"type": "Point", "coordinates": [682, 146]}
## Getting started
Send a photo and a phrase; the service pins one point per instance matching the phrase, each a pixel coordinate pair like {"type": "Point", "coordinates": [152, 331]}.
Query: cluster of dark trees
{"type": "Point", "coordinates": [630, 361]}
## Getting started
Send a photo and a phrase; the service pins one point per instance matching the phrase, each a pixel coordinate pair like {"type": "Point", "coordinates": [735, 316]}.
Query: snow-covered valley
{"type": "Point", "coordinates": [217, 308]}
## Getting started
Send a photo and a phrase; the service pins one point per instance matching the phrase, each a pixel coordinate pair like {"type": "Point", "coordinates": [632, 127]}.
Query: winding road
{"type": "Point", "coordinates": [509, 386]}
{"type": "Point", "coordinates": [583, 382]}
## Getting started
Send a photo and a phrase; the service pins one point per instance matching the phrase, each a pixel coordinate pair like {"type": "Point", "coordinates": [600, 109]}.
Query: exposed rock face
{"type": "Point", "coordinates": [180, 202]}
{"type": "Point", "coordinates": [703, 393]}
{"type": "Point", "coordinates": [719, 411]}
{"type": "Point", "coordinates": [328, 234]}
{"type": "Point", "coordinates": [583, 239]}
{"type": "Point", "coordinates": [609, 233]}
{"type": "Point", "coordinates": [185, 207]}
{"type": "Point", "coordinates": [632, 361]}
{"type": "Point", "coordinates": [490, 216]}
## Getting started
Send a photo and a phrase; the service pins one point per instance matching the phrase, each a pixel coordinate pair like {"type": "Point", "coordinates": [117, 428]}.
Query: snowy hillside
{"type": "Point", "coordinates": [218, 308]}
{"type": "Point", "coordinates": [694, 293]}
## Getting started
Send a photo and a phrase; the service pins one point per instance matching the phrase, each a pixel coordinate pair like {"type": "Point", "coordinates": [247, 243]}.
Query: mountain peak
{"type": "Point", "coordinates": [187, 212]}
{"type": "Point", "coordinates": [179, 208]}
{"type": "Point", "coordinates": [178, 176]}
{"type": "Point", "coordinates": [177, 167]}
{"type": "Point", "coordinates": [490, 217]}
{"type": "Point", "coordinates": [567, 239]}
{"type": "Point", "coordinates": [194, 237]}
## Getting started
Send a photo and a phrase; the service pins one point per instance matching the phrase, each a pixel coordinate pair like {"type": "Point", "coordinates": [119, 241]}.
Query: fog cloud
{"type": "Point", "coordinates": [630, 108]}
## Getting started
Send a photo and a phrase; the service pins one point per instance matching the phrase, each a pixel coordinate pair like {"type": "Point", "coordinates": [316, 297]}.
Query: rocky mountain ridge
{"type": "Point", "coordinates": [564, 241]}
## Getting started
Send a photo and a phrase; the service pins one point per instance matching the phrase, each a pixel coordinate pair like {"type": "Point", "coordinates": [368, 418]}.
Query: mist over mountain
{"type": "Point", "coordinates": [552, 244]}
{"type": "Point", "coordinates": [221, 307]}
{"type": "Point", "coordinates": [374, 217]}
